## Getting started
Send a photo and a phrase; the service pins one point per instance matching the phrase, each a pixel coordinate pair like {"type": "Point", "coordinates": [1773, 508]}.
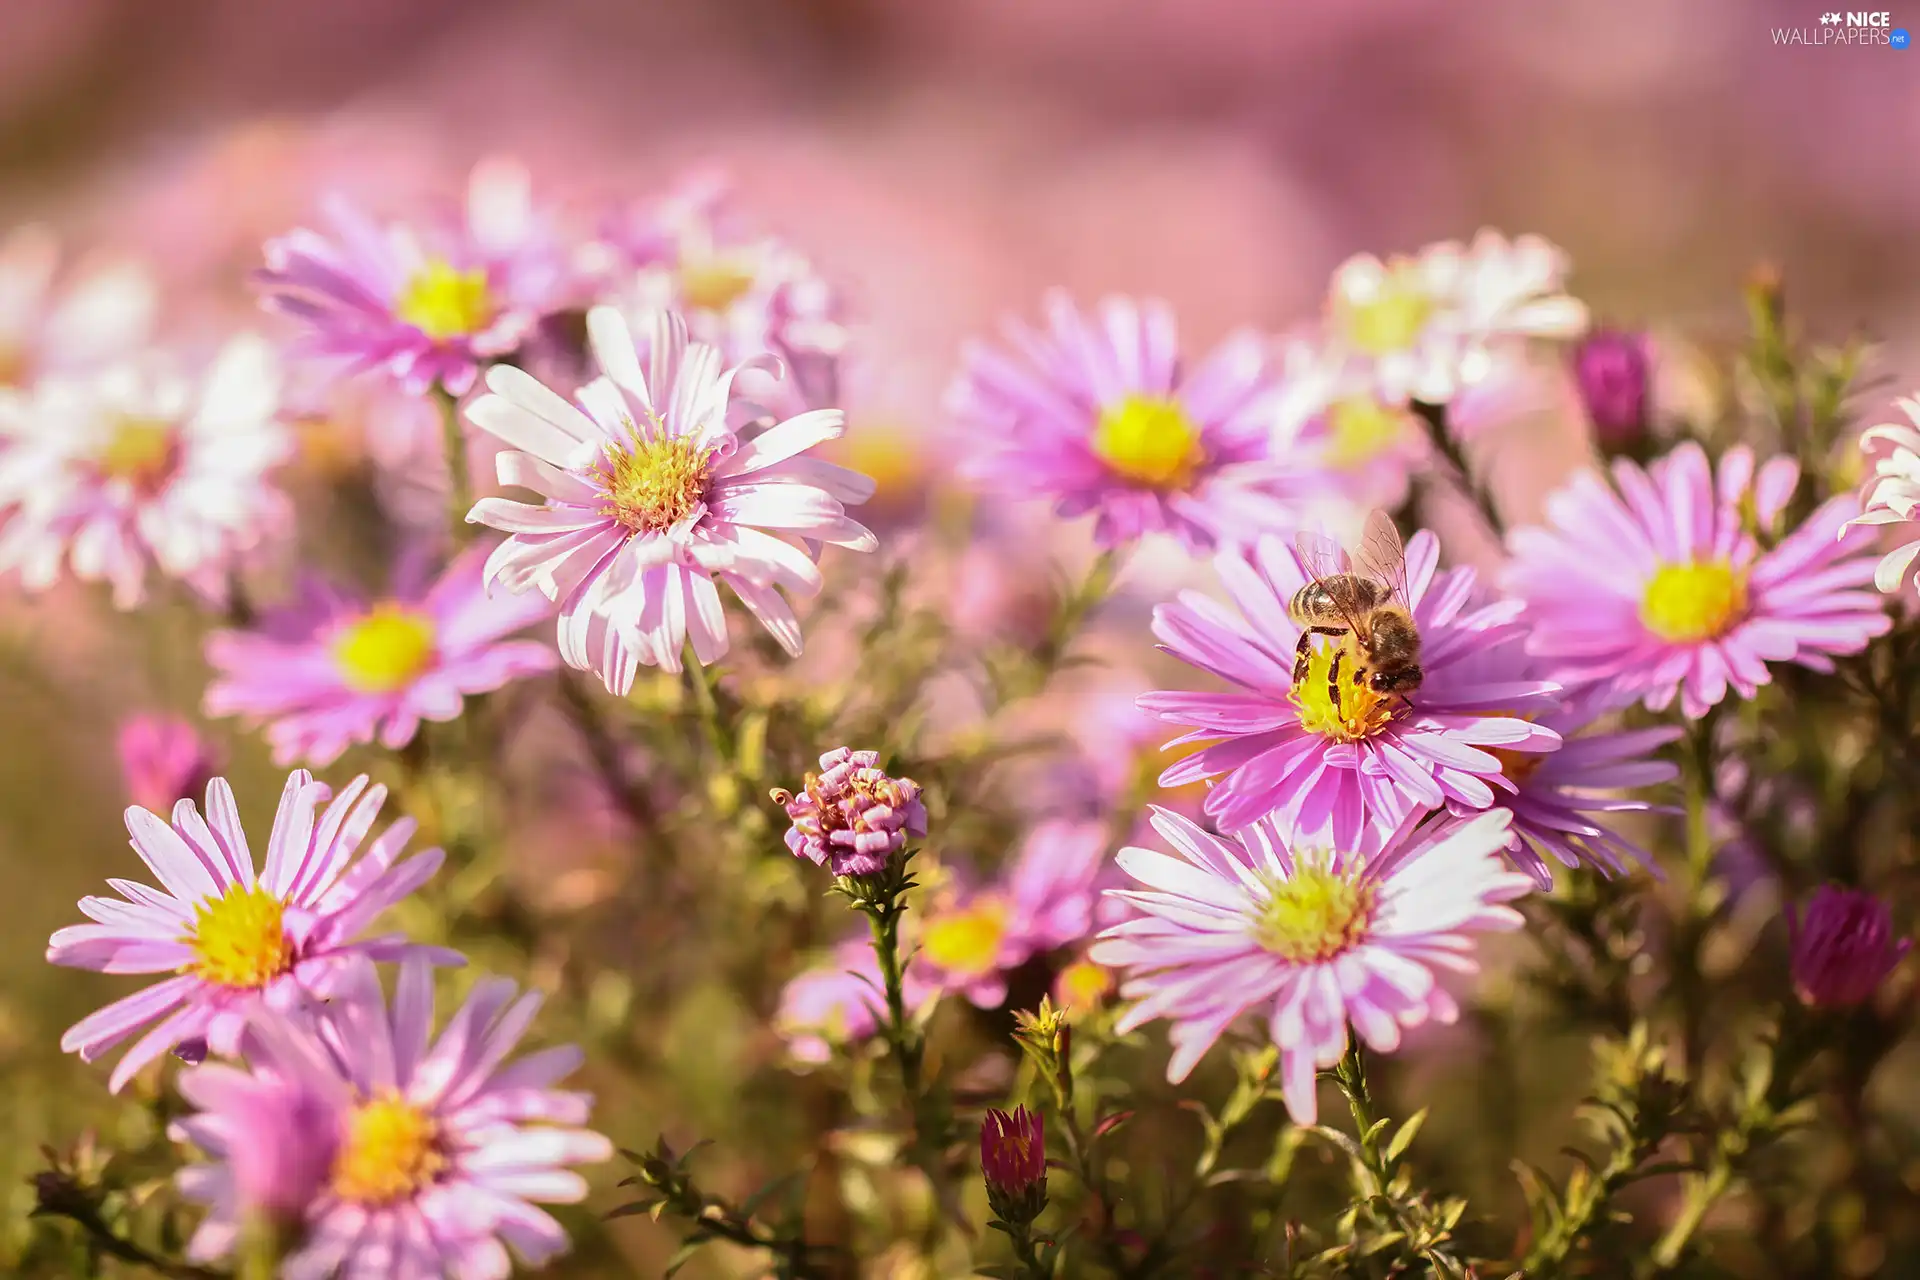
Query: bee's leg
{"type": "Point", "coordinates": [1333, 680]}
{"type": "Point", "coordinates": [1303, 651]}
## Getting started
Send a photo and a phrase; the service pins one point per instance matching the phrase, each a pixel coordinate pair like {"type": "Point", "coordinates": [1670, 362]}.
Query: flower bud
{"type": "Point", "coordinates": [163, 760]}
{"type": "Point", "coordinates": [1614, 372]}
{"type": "Point", "coordinates": [1013, 1156]}
{"type": "Point", "coordinates": [851, 817]}
{"type": "Point", "coordinates": [1843, 947]}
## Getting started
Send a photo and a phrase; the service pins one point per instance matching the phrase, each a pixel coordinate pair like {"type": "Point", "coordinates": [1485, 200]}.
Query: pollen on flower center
{"type": "Point", "coordinates": [713, 284]}
{"type": "Point", "coordinates": [391, 1150]}
{"type": "Point", "coordinates": [239, 940]}
{"type": "Point", "coordinates": [1692, 602]}
{"type": "Point", "coordinates": [143, 452]}
{"type": "Point", "coordinates": [1315, 915]}
{"type": "Point", "coordinates": [1361, 429]}
{"type": "Point", "coordinates": [384, 650]}
{"type": "Point", "coordinates": [654, 484]}
{"type": "Point", "coordinates": [967, 941]}
{"type": "Point", "coordinates": [1151, 440]}
{"type": "Point", "coordinates": [1390, 317]}
{"type": "Point", "coordinates": [442, 301]}
{"type": "Point", "coordinates": [1359, 712]}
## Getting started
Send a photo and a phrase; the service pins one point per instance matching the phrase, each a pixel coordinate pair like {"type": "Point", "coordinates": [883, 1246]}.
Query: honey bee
{"type": "Point", "coordinates": [1363, 607]}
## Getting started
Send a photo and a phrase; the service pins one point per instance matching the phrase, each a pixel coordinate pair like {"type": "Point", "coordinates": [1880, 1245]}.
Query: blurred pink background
{"type": "Point", "coordinates": [948, 161]}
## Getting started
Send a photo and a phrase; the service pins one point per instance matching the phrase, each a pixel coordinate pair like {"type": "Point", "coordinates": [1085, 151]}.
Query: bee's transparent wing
{"type": "Point", "coordinates": [1322, 557]}
{"type": "Point", "coordinates": [1382, 556]}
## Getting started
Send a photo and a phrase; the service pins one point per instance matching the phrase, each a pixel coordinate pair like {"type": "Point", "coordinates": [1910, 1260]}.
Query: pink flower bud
{"type": "Point", "coordinates": [1843, 946]}
{"type": "Point", "coordinates": [164, 760]}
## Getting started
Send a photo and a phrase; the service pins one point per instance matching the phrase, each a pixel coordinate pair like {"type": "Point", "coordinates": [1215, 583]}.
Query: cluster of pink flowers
{"type": "Point", "coordinates": [658, 387]}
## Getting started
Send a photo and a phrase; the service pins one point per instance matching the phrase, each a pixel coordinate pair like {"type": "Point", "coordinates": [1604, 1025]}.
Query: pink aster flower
{"type": "Point", "coordinates": [427, 305]}
{"type": "Point", "coordinates": [229, 936]}
{"type": "Point", "coordinates": [142, 467]}
{"type": "Point", "coordinates": [65, 323]}
{"type": "Point", "coordinates": [1430, 326]}
{"type": "Point", "coordinates": [1330, 413]}
{"type": "Point", "coordinates": [1660, 586]}
{"type": "Point", "coordinates": [971, 939]}
{"type": "Point", "coordinates": [335, 669]}
{"type": "Point", "coordinates": [1101, 413]}
{"type": "Point", "coordinates": [1371, 758]}
{"type": "Point", "coordinates": [443, 1146]}
{"type": "Point", "coordinates": [1309, 938]}
{"type": "Point", "coordinates": [836, 1001]}
{"type": "Point", "coordinates": [649, 497]}
{"type": "Point", "coordinates": [745, 293]}
{"type": "Point", "coordinates": [1894, 496]}
{"type": "Point", "coordinates": [1562, 799]}
{"type": "Point", "coordinates": [163, 760]}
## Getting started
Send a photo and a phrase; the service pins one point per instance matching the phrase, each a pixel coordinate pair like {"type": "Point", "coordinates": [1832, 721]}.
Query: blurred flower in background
{"type": "Point", "coordinates": [164, 759]}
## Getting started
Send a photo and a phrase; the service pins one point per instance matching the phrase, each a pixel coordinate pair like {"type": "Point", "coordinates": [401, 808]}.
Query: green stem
{"type": "Point", "coordinates": [118, 1246]}
{"type": "Point", "coordinates": [1030, 1265]}
{"type": "Point", "coordinates": [1434, 416]}
{"type": "Point", "coordinates": [1375, 1168]}
{"type": "Point", "coordinates": [460, 500]}
{"type": "Point", "coordinates": [1698, 910]}
{"type": "Point", "coordinates": [902, 1038]}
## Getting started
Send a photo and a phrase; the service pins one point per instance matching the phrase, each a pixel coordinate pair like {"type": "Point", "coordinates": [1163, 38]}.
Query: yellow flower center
{"type": "Point", "coordinates": [1361, 429]}
{"type": "Point", "coordinates": [1692, 602]}
{"type": "Point", "coordinates": [654, 484]}
{"type": "Point", "coordinates": [884, 454]}
{"type": "Point", "coordinates": [443, 302]}
{"type": "Point", "coordinates": [1315, 915]}
{"type": "Point", "coordinates": [967, 941]}
{"type": "Point", "coordinates": [239, 940]}
{"type": "Point", "coordinates": [1083, 985]}
{"type": "Point", "coordinates": [391, 1151]}
{"type": "Point", "coordinates": [1150, 440]}
{"type": "Point", "coordinates": [1518, 765]}
{"type": "Point", "coordinates": [1358, 711]}
{"type": "Point", "coordinates": [141, 451]}
{"type": "Point", "coordinates": [385, 650]}
{"type": "Point", "coordinates": [713, 284]}
{"type": "Point", "coordinates": [1391, 316]}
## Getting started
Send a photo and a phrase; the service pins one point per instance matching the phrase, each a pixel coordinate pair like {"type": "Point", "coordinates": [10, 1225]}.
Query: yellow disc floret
{"type": "Point", "coordinates": [653, 484]}
{"type": "Point", "coordinates": [1360, 429]}
{"type": "Point", "coordinates": [966, 941]}
{"type": "Point", "coordinates": [443, 302]}
{"type": "Point", "coordinates": [713, 284]}
{"type": "Point", "coordinates": [385, 650]}
{"type": "Point", "coordinates": [1150, 440]}
{"type": "Point", "coordinates": [1315, 915]}
{"type": "Point", "coordinates": [240, 940]}
{"type": "Point", "coordinates": [1687, 603]}
{"type": "Point", "coordinates": [1358, 713]}
{"type": "Point", "coordinates": [391, 1150]}
{"type": "Point", "coordinates": [140, 451]}
{"type": "Point", "coordinates": [1387, 318]}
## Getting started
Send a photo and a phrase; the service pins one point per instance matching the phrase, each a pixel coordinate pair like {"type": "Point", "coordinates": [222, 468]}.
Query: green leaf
{"type": "Point", "coordinates": [779, 1186]}
{"type": "Point", "coordinates": [632, 1210]}
{"type": "Point", "coordinates": [1404, 1139]}
{"type": "Point", "coordinates": [683, 1255]}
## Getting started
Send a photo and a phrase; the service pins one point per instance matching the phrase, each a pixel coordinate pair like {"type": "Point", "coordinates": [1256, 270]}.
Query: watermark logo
{"type": "Point", "coordinates": [1851, 29]}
